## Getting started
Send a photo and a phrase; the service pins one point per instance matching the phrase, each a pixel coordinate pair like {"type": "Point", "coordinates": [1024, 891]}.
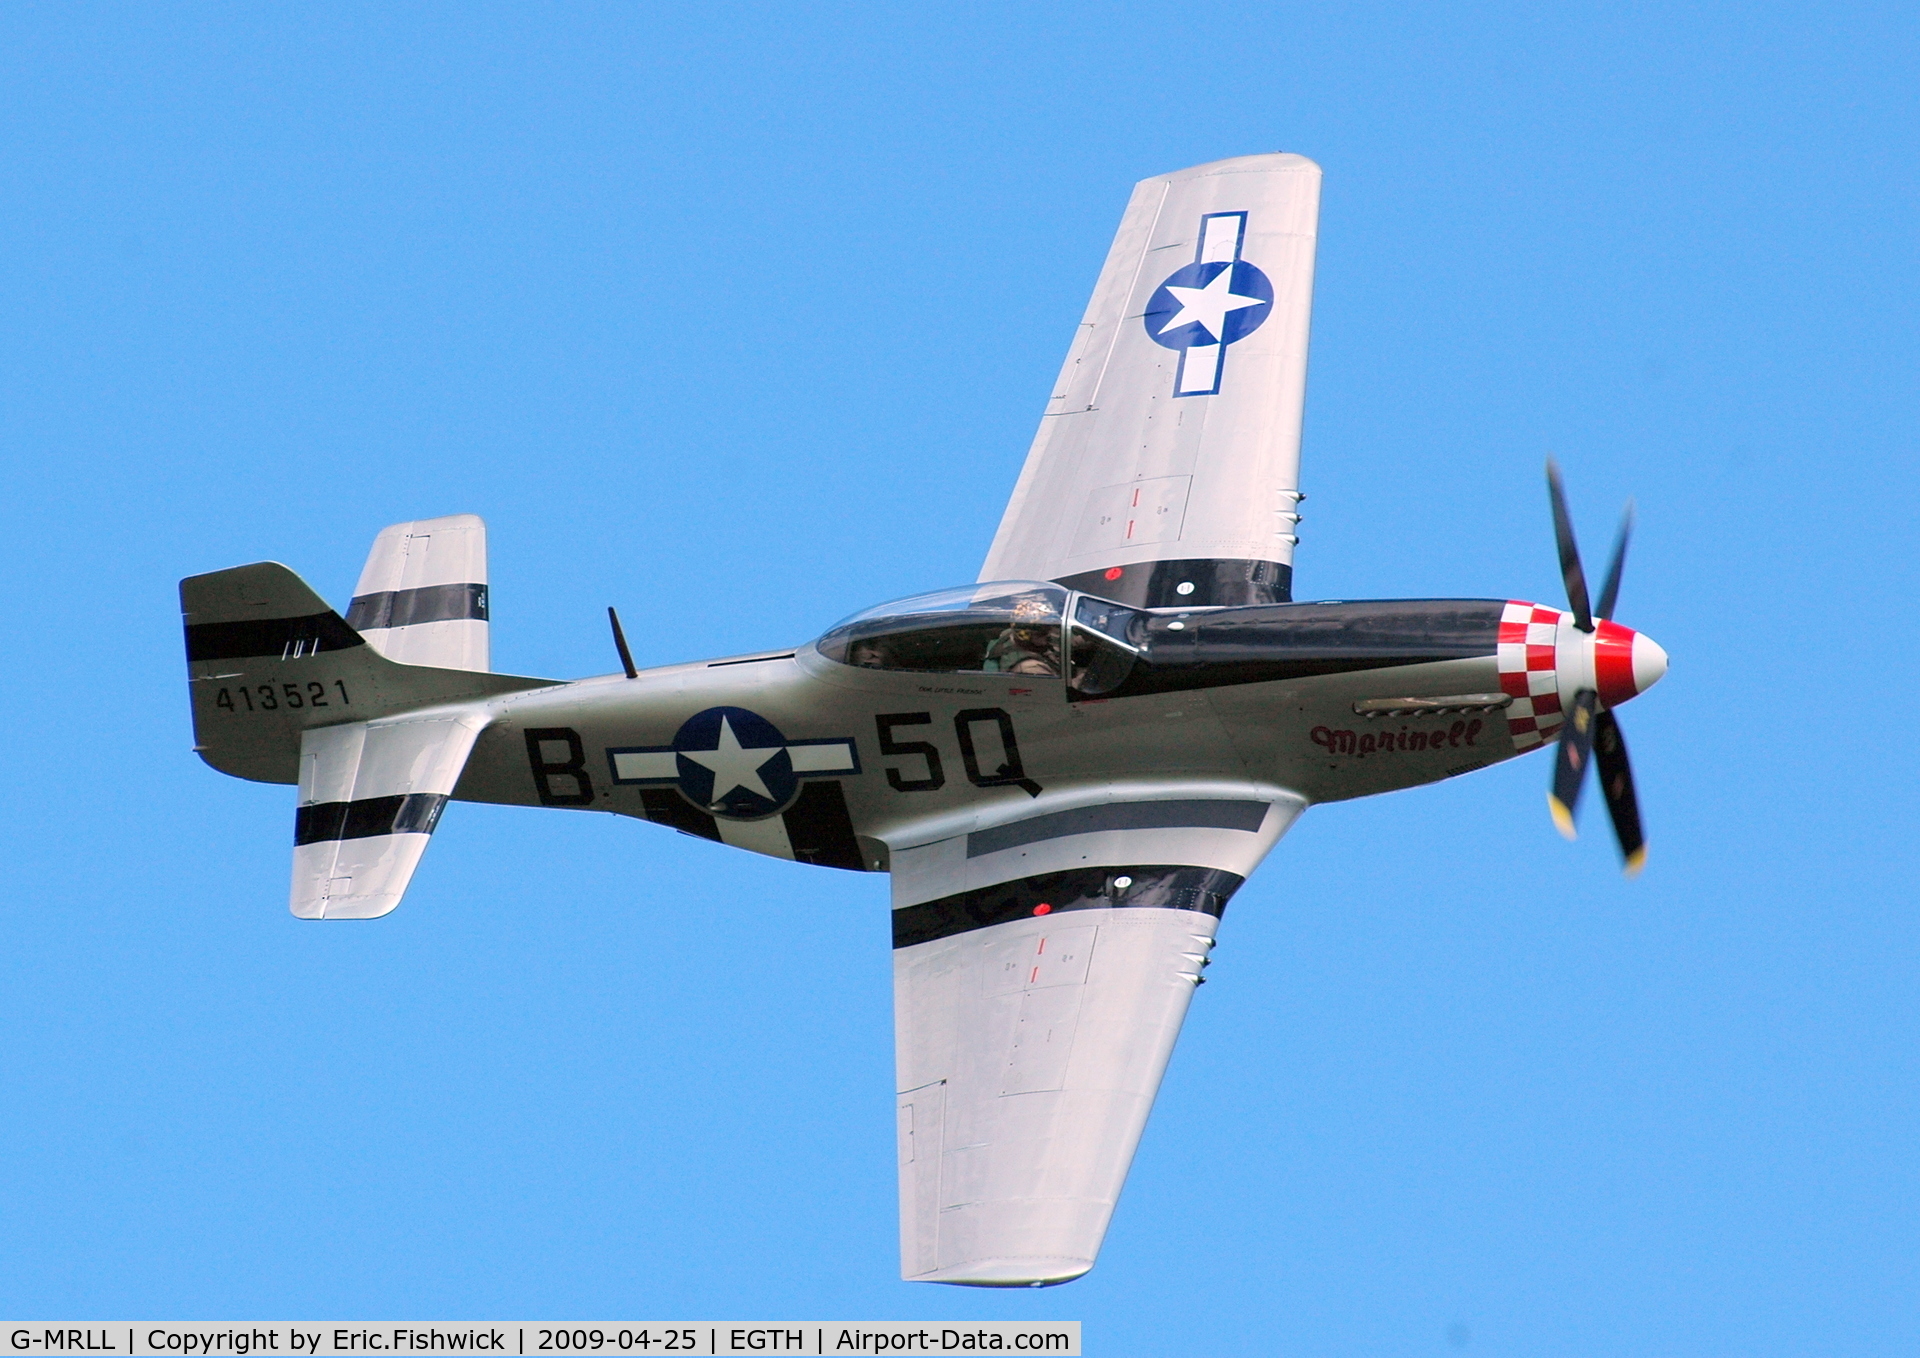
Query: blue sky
{"type": "Point", "coordinates": [740, 317]}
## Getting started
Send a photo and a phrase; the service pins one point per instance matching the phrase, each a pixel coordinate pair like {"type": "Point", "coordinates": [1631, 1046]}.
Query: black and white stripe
{"type": "Point", "coordinates": [413, 813]}
{"type": "Point", "coordinates": [1151, 887]}
{"type": "Point", "coordinates": [1189, 584]}
{"type": "Point", "coordinates": [818, 825]}
{"type": "Point", "coordinates": [1186, 813]}
{"type": "Point", "coordinates": [280, 638]}
{"type": "Point", "coordinates": [410, 607]}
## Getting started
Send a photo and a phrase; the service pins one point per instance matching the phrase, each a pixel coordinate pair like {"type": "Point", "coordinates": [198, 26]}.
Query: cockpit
{"type": "Point", "coordinates": [1095, 648]}
{"type": "Point", "coordinates": [1006, 627]}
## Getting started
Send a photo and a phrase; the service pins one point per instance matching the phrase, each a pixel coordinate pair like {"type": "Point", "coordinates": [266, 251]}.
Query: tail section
{"type": "Point", "coordinates": [268, 660]}
{"type": "Point", "coordinates": [422, 596]}
{"type": "Point", "coordinates": [285, 690]}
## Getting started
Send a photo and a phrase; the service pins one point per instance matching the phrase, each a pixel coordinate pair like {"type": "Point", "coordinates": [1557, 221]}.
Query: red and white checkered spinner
{"type": "Point", "coordinates": [1544, 660]}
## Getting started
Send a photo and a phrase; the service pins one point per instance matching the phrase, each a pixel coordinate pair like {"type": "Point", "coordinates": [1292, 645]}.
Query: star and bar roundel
{"type": "Point", "coordinates": [734, 763]}
{"type": "Point", "coordinates": [1209, 304]}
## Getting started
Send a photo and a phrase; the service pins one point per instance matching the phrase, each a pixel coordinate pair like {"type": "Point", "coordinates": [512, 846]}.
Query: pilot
{"type": "Point", "coordinates": [1031, 645]}
{"type": "Point", "coordinates": [869, 653]}
{"type": "Point", "coordinates": [1084, 653]}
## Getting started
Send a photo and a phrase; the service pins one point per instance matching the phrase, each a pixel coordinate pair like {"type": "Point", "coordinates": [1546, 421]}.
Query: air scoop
{"type": "Point", "coordinates": [1599, 665]}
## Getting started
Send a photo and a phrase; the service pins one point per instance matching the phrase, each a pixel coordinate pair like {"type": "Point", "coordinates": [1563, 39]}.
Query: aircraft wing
{"type": "Point", "coordinates": [1166, 469]}
{"type": "Point", "coordinates": [1042, 969]}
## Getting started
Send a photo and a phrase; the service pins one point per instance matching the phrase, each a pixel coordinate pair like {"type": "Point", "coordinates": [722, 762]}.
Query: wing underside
{"type": "Point", "coordinates": [1166, 467]}
{"type": "Point", "coordinates": [1042, 970]}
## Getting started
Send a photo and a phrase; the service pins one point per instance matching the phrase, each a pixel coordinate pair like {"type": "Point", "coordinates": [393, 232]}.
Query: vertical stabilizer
{"type": "Point", "coordinates": [422, 597]}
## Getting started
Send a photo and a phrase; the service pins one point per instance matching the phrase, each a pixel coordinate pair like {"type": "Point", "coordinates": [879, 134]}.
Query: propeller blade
{"type": "Point", "coordinates": [1570, 760]}
{"type": "Point", "coordinates": [1610, 591]}
{"type": "Point", "coordinates": [1616, 785]}
{"type": "Point", "coordinates": [1570, 572]}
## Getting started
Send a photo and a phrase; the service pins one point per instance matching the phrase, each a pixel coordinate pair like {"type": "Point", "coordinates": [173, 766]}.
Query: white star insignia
{"type": "Point", "coordinates": [733, 765]}
{"type": "Point", "coordinates": [1208, 307]}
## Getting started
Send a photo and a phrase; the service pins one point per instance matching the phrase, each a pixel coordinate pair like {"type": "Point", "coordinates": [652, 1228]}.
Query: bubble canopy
{"type": "Point", "coordinates": [1005, 627]}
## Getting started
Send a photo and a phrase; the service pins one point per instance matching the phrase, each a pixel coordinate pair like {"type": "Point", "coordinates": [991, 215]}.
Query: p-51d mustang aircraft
{"type": "Point", "coordinates": [1068, 768]}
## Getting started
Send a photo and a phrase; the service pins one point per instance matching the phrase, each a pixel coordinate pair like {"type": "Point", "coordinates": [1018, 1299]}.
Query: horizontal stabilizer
{"type": "Point", "coordinates": [371, 793]}
{"type": "Point", "coordinates": [422, 596]}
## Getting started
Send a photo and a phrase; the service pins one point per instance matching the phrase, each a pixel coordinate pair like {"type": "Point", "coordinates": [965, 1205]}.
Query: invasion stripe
{"type": "Point", "coordinates": [821, 829]}
{"type": "Point", "coordinates": [281, 638]}
{"type": "Point", "coordinates": [1157, 887]}
{"type": "Point", "coordinates": [1209, 582]}
{"type": "Point", "coordinates": [665, 806]}
{"type": "Point", "coordinates": [409, 607]}
{"type": "Point", "coordinates": [413, 813]}
{"type": "Point", "coordinates": [1209, 814]}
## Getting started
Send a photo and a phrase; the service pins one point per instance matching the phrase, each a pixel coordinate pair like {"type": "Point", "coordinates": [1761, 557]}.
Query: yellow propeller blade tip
{"type": "Point", "coordinates": [1562, 816]}
{"type": "Point", "coordinates": [1635, 861]}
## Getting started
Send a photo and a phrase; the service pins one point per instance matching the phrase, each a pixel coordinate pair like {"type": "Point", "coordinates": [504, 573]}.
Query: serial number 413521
{"type": "Point", "coordinates": [271, 697]}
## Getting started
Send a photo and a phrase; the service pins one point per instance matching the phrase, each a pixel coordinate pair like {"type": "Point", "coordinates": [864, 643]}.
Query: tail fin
{"type": "Point", "coordinates": [422, 596]}
{"type": "Point", "coordinates": [267, 660]}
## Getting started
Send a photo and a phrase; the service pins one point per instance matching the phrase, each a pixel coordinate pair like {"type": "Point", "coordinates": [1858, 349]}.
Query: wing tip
{"type": "Point", "coordinates": [338, 908]}
{"type": "Point", "coordinates": [1007, 1273]}
{"type": "Point", "coordinates": [1260, 162]}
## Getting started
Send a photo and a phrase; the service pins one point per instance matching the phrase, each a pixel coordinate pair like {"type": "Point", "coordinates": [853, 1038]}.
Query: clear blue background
{"type": "Point", "coordinates": [740, 317]}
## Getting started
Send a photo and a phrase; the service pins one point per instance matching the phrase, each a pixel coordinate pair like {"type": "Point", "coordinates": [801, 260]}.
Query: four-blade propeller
{"type": "Point", "coordinates": [1591, 732]}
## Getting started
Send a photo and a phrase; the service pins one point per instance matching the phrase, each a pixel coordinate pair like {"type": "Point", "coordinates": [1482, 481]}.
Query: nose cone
{"type": "Point", "coordinates": [1649, 662]}
{"type": "Point", "coordinates": [1625, 663]}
